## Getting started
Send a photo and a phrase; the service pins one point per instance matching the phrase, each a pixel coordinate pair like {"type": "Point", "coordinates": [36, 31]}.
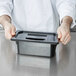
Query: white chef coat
{"type": "Point", "coordinates": [37, 15]}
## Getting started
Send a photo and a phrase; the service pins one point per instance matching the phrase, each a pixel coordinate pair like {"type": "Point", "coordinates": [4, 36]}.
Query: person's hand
{"type": "Point", "coordinates": [10, 30]}
{"type": "Point", "coordinates": [64, 33]}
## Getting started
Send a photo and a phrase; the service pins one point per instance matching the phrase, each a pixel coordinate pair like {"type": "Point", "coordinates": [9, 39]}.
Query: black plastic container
{"type": "Point", "coordinates": [23, 37]}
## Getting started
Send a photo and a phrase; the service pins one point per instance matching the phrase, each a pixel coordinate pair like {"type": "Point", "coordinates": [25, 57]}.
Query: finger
{"type": "Point", "coordinates": [13, 31]}
{"type": "Point", "coordinates": [63, 37]}
{"type": "Point", "coordinates": [66, 38]}
{"type": "Point", "coordinates": [8, 34]}
{"type": "Point", "coordinates": [67, 41]}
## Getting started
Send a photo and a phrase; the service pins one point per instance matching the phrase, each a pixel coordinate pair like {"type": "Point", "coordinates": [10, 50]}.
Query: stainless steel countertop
{"type": "Point", "coordinates": [12, 64]}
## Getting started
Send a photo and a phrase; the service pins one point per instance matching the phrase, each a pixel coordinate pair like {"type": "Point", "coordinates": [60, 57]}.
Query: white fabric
{"type": "Point", "coordinates": [37, 15]}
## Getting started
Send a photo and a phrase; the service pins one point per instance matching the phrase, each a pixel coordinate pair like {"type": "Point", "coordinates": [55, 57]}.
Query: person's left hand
{"type": "Point", "coordinates": [64, 33]}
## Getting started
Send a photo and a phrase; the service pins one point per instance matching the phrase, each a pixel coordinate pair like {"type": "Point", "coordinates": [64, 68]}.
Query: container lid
{"type": "Point", "coordinates": [40, 37]}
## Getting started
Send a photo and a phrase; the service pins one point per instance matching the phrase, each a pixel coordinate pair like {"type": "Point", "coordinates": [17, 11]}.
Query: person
{"type": "Point", "coordinates": [37, 15]}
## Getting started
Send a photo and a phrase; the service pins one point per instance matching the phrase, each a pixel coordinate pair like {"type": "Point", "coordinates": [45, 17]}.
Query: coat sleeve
{"type": "Point", "coordinates": [66, 8]}
{"type": "Point", "coordinates": [6, 7]}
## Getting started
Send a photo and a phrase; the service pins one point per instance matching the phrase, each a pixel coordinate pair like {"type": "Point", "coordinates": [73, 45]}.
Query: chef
{"type": "Point", "coordinates": [37, 15]}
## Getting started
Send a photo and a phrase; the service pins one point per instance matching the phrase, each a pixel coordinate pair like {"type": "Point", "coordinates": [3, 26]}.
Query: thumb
{"type": "Point", "coordinates": [13, 31]}
{"type": "Point", "coordinates": [59, 34]}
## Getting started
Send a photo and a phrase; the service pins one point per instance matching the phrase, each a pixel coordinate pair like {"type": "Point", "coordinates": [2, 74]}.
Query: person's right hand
{"type": "Point", "coordinates": [10, 30]}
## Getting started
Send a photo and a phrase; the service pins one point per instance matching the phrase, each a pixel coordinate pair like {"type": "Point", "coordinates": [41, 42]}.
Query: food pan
{"type": "Point", "coordinates": [28, 39]}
